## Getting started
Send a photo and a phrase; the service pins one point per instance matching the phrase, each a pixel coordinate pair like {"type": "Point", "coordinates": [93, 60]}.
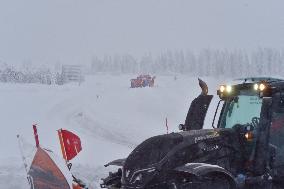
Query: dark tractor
{"type": "Point", "coordinates": [244, 150]}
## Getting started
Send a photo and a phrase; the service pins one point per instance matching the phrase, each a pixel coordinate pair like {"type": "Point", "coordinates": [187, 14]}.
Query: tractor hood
{"type": "Point", "coordinates": [150, 156]}
{"type": "Point", "coordinates": [155, 149]}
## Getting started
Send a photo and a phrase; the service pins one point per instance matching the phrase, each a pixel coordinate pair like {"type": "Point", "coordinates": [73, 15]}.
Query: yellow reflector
{"type": "Point", "coordinates": [249, 136]}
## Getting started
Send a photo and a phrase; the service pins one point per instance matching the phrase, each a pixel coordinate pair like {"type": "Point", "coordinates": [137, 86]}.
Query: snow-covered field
{"type": "Point", "coordinates": [110, 118]}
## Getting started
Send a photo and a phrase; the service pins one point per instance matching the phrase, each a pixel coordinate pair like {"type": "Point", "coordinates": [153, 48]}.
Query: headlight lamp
{"type": "Point", "coordinates": [256, 86]}
{"type": "Point", "coordinates": [262, 87]}
{"type": "Point", "coordinates": [228, 88]}
{"type": "Point", "coordinates": [222, 88]}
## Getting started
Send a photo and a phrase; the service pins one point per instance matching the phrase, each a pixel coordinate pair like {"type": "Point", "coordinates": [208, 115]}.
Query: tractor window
{"type": "Point", "coordinates": [240, 110]}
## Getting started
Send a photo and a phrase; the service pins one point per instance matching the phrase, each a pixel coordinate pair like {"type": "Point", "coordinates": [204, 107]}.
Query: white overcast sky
{"type": "Point", "coordinates": [72, 31]}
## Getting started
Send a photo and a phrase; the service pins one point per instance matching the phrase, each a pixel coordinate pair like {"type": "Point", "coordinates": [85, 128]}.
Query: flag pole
{"type": "Point", "coordinates": [24, 160]}
{"type": "Point", "coordinates": [62, 146]}
{"type": "Point", "coordinates": [22, 154]}
{"type": "Point", "coordinates": [36, 135]}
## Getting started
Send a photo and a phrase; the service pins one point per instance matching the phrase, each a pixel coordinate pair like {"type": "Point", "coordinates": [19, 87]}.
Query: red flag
{"type": "Point", "coordinates": [70, 144]}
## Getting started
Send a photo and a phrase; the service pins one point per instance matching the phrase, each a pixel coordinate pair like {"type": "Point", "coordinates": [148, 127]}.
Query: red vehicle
{"type": "Point", "coordinates": [143, 81]}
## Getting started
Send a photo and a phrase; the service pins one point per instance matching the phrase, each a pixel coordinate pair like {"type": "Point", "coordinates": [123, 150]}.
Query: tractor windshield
{"type": "Point", "coordinates": [240, 109]}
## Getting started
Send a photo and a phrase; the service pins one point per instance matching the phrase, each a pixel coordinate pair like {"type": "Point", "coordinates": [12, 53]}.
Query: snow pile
{"type": "Point", "coordinates": [110, 118]}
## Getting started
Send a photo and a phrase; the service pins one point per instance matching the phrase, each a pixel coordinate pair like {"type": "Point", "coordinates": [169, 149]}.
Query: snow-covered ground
{"type": "Point", "coordinates": [110, 118]}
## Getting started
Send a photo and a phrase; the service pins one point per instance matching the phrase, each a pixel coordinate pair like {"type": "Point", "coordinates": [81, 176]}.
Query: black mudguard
{"type": "Point", "coordinates": [202, 169]}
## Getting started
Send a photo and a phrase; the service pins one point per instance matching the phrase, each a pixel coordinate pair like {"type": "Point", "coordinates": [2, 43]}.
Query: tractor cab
{"type": "Point", "coordinates": [240, 104]}
{"type": "Point", "coordinates": [256, 109]}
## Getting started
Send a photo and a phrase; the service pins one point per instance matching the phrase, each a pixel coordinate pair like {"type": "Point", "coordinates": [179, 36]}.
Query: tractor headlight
{"type": "Point", "coordinates": [229, 88]}
{"type": "Point", "coordinates": [225, 91]}
{"type": "Point", "coordinates": [222, 88]}
{"type": "Point", "coordinates": [259, 87]}
{"type": "Point", "coordinates": [256, 86]}
{"type": "Point", "coordinates": [262, 87]}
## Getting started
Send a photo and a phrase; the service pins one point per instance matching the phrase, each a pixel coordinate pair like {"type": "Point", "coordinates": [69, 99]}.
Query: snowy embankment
{"type": "Point", "coordinates": [110, 118]}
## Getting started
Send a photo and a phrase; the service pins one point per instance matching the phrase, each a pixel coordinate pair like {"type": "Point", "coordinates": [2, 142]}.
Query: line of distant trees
{"type": "Point", "coordinates": [207, 62]}
{"type": "Point", "coordinates": [9, 74]}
